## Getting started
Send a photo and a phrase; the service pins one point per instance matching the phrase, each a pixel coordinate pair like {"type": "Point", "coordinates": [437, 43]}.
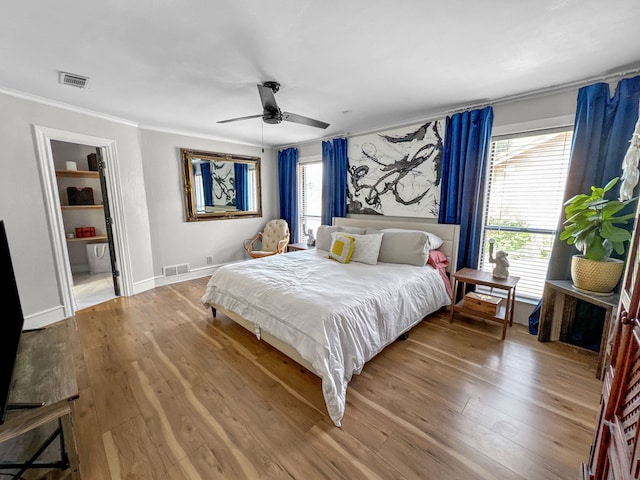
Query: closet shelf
{"type": "Point", "coordinates": [86, 239]}
{"type": "Point", "coordinates": [81, 207]}
{"type": "Point", "coordinates": [77, 173]}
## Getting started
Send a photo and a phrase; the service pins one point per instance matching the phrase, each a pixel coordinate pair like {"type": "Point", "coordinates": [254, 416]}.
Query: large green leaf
{"type": "Point", "coordinates": [612, 208]}
{"type": "Point", "coordinates": [566, 234]}
{"type": "Point", "coordinates": [623, 218]}
{"type": "Point", "coordinates": [618, 247]}
{"type": "Point", "coordinates": [595, 250]}
{"type": "Point", "coordinates": [611, 184]}
{"type": "Point", "coordinates": [613, 233]}
{"type": "Point", "coordinates": [576, 199]}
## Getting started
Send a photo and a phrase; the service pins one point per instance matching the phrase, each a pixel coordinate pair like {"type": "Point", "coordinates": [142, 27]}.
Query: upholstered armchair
{"type": "Point", "coordinates": [273, 240]}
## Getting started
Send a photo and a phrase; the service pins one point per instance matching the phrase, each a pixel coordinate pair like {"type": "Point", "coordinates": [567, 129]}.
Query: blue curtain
{"type": "Point", "coordinates": [241, 173]}
{"type": "Point", "coordinates": [602, 130]}
{"type": "Point", "coordinates": [207, 183]}
{"type": "Point", "coordinates": [466, 148]}
{"type": "Point", "coordinates": [334, 180]}
{"type": "Point", "coordinates": [288, 184]}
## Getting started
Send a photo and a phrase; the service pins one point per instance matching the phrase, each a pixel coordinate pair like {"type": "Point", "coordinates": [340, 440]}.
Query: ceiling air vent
{"type": "Point", "coordinates": [73, 80]}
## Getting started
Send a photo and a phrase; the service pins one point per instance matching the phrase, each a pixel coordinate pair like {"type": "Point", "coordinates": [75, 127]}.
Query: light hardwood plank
{"type": "Point", "coordinates": [167, 394]}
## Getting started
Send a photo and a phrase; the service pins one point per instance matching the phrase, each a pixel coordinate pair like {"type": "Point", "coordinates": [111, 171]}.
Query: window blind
{"type": "Point", "coordinates": [525, 188]}
{"type": "Point", "coordinates": [310, 197]}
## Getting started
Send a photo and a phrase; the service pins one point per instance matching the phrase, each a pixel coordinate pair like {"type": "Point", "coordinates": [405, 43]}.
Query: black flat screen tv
{"type": "Point", "coordinates": [11, 322]}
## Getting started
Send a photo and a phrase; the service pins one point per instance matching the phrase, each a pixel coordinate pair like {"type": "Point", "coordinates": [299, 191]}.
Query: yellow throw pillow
{"type": "Point", "coordinates": [341, 247]}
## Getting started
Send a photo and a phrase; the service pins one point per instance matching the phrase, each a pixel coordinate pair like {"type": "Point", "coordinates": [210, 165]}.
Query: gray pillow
{"type": "Point", "coordinates": [435, 241]}
{"type": "Point", "coordinates": [323, 236]}
{"type": "Point", "coordinates": [352, 230]}
{"type": "Point", "coordinates": [408, 247]}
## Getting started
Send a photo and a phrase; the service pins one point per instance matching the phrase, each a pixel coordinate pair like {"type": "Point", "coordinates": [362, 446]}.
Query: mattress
{"type": "Point", "coordinates": [336, 316]}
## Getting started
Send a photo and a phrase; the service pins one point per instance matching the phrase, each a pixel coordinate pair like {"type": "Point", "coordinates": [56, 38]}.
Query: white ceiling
{"type": "Point", "coordinates": [356, 64]}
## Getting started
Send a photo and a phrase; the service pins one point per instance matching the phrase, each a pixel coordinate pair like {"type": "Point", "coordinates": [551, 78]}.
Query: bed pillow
{"type": "Point", "coordinates": [352, 230]}
{"type": "Point", "coordinates": [341, 247]}
{"type": "Point", "coordinates": [435, 241]}
{"type": "Point", "coordinates": [366, 248]}
{"type": "Point", "coordinates": [408, 247]}
{"type": "Point", "coordinates": [323, 236]}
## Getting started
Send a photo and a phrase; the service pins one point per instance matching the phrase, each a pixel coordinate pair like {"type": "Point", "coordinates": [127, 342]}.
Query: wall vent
{"type": "Point", "coordinates": [174, 270]}
{"type": "Point", "coordinates": [73, 80]}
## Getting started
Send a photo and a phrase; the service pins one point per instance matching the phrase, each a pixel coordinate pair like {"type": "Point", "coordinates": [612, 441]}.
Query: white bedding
{"type": "Point", "coordinates": [336, 316]}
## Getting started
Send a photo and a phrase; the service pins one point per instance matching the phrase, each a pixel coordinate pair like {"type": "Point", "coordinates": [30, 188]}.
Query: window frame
{"type": "Point", "coordinates": [302, 162]}
{"type": "Point", "coordinates": [556, 125]}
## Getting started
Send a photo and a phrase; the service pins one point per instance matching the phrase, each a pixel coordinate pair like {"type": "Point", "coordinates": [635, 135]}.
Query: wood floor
{"type": "Point", "coordinates": [164, 396]}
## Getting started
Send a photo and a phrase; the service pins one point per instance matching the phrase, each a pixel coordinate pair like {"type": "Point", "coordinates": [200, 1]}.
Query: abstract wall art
{"type": "Point", "coordinates": [396, 172]}
{"type": "Point", "coordinates": [223, 183]}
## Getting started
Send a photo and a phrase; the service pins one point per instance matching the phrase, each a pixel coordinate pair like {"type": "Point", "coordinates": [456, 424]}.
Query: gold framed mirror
{"type": "Point", "coordinates": [220, 186]}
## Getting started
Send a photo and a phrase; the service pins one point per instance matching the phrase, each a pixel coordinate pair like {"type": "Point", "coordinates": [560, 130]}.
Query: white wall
{"type": "Point", "coordinates": [22, 203]}
{"type": "Point", "coordinates": [175, 241]}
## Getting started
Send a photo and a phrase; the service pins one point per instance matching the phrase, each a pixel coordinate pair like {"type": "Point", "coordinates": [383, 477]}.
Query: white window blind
{"type": "Point", "coordinates": [251, 180]}
{"type": "Point", "coordinates": [526, 181]}
{"type": "Point", "coordinates": [309, 197]}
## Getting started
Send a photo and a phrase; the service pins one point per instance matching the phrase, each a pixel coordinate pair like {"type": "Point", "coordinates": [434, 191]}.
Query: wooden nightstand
{"type": "Point", "coordinates": [504, 313]}
{"type": "Point", "coordinates": [292, 247]}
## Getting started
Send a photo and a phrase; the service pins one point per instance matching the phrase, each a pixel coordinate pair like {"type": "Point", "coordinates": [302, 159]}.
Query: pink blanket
{"type": "Point", "coordinates": [439, 261]}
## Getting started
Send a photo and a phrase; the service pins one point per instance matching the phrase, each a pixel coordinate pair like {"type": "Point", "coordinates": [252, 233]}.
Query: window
{"type": "Point", "coordinates": [309, 197]}
{"type": "Point", "coordinates": [526, 181]}
{"type": "Point", "coordinates": [252, 203]}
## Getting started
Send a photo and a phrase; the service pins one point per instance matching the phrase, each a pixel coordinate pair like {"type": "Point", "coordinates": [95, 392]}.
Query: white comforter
{"type": "Point", "coordinates": [336, 316]}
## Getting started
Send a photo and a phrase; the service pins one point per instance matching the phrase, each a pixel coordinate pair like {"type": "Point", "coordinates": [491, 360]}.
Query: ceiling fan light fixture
{"type": "Point", "coordinates": [272, 114]}
{"type": "Point", "coordinates": [272, 119]}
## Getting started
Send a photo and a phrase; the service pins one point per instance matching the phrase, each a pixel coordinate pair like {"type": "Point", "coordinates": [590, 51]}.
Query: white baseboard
{"type": "Point", "coordinates": [42, 319]}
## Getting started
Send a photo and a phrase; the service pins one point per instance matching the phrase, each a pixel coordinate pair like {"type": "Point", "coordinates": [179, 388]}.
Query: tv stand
{"type": "Point", "coordinates": [39, 435]}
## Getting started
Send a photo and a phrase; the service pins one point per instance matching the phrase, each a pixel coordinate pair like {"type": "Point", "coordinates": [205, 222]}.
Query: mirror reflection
{"type": "Point", "coordinates": [219, 185]}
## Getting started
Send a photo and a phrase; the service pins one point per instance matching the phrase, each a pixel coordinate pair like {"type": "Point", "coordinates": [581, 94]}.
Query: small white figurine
{"type": "Point", "coordinates": [311, 239]}
{"type": "Point", "coordinates": [501, 269]}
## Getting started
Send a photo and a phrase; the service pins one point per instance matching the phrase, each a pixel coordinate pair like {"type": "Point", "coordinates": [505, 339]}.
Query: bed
{"type": "Point", "coordinates": [331, 317]}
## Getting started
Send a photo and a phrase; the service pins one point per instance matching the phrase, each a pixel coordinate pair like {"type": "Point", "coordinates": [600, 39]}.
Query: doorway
{"type": "Point", "coordinates": [87, 223]}
{"type": "Point", "coordinates": [106, 154]}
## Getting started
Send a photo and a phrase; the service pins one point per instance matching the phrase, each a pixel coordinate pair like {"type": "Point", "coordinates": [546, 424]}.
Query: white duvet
{"type": "Point", "coordinates": [336, 316]}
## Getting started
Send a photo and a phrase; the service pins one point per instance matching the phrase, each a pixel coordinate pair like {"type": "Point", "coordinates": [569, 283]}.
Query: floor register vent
{"type": "Point", "coordinates": [173, 270]}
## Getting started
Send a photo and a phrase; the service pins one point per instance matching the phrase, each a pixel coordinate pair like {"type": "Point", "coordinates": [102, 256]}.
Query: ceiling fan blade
{"type": "Point", "coordinates": [239, 118]}
{"type": "Point", "coordinates": [292, 117]}
{"type": "Point", "coordinates": [267, 97]}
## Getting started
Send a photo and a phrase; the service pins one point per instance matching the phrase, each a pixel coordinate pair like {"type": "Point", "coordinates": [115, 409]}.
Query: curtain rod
{"type": "Point", "coordinates": [548, 90]}
{"type": "Point", "coordinates": [510, 98]}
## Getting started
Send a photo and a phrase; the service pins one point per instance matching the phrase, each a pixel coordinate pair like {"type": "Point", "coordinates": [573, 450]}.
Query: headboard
{"type": "Point", "coordinates": [449, 233]}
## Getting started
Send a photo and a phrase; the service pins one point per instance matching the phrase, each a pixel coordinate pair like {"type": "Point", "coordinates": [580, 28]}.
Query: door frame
{"type": "Point", "coordinates": [43, 137]}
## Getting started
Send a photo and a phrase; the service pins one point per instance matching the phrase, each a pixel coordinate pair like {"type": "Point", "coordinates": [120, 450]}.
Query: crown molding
{"type": "Point", "coordinates": [65, 106]}
{"type": "Point", "coordinates": [205, 136]}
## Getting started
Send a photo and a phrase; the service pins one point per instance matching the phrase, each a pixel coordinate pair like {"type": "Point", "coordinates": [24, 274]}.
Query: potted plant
{"type": "Point", "coordinates": [591, 227]}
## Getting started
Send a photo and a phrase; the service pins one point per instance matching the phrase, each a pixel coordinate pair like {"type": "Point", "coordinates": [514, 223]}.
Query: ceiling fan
{"type": "Point", "coordinates": [272, 114]}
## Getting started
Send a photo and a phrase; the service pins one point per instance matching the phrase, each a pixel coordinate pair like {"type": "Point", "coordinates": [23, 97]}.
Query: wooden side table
{"type": "Point", "coordinates": [505, 310]}
{"type": "Point", "coordinates": [559, 301]}
{"type": "Point", "coordinates": [44, 373]}
{"type": "Point", "coordinates": [292, 247]}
